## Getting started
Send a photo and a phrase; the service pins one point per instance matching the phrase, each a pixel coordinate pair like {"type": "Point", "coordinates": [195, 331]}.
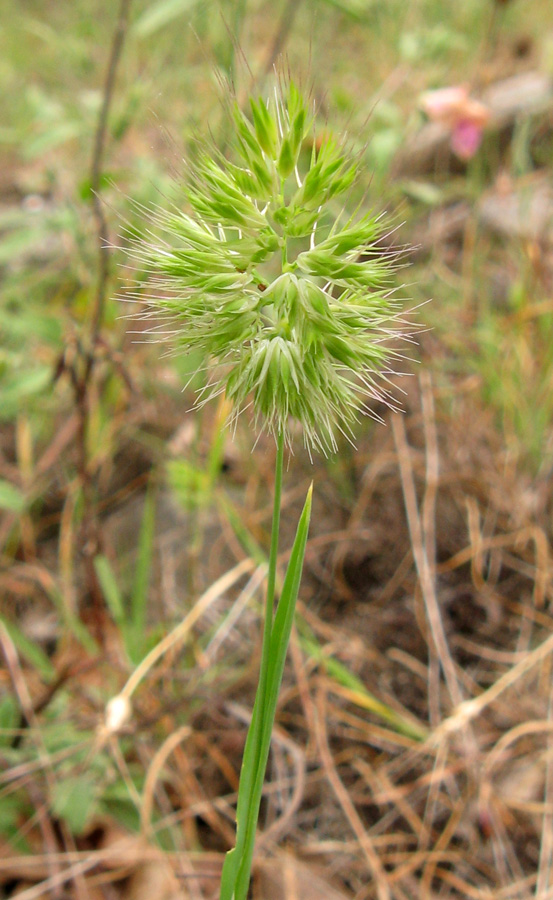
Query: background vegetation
{"type": "Point", "coordinates": [413, 753]}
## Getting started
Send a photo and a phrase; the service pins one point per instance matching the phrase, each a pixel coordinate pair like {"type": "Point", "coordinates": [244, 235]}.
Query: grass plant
{"type": "Point", "coordinates": [412, 752]}
{"type": "Point", "coordinates": [294, 309]}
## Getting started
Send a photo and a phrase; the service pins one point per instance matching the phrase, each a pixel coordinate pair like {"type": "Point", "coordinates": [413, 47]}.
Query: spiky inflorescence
{"type": "Point", "coordinates": [294, 309]}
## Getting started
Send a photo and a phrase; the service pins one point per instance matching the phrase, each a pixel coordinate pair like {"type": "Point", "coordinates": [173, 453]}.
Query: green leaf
{"type": "Point", "coordinates": [123, 810]}
{"type": "Point", "coordinates": [11, 810]}
{"type": "Point", "coordinates": [9, 720]}
{"type": "Point", "coordinates": [236, 521]}
{"type": "Point", "coordinates": [189, 482]}
{"type": "Point", "coordinates": [11, 498]}
{"type": "Point", "coordinates": [357, 9]}
{"type": "Point", "coordinates": [105, 180]}
{"type": "Point", "coordinates": [110, 588]}
{"type": "Point", "coordinates": [16, 244]}
{"type": "Point", "coordinates": [53, 137]}
{"type": "Point", "coordinates": [362, 697]}
{"type": "Point", "coordinates": [158, 15]}
{"type": "Point", "coordinates": [24, 324]}
{"type": "Point", "coordinates": [74, 801]}
{"type": "Point", "coordinates": [22, 386]}
{"type": "Point", "coordinates": [139, 595]}
{"type": "Point", "coordinates": [30, 651]}
{"type": "Point", "coordinates": [423, 192]}
{"type": "Point", "coordinates": [284, 618]}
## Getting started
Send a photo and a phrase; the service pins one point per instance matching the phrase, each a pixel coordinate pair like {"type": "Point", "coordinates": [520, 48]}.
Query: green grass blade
{"type": "Point", "coordinates": [30, 651]}
{"type": "Point", "coordinates": [141, 584]}
{"type": "Point", "coordinates": [158, 15]}
{"type": "Point", "coordinates": [72, 622]}
{"type": "Point", "coordinates": [110, 589]}
{"type": "Point", "coordinates": [244, 804]}
{"type": "Point", "coordinates": [11, 498]}
{"type": "Point", "coordinates": [284, 618]}
{"type": "Point", "coordinates": [241, 531]}
{"type": "Point", "coordinates": [360, 694]}
{"type": "Point", "coordinates": [252, 751]}
{"type": "Point", "coordinates": [236, 872]}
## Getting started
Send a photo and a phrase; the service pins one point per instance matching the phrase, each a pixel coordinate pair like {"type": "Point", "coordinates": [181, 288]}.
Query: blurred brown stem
{"type": "Point", "coordinates": [284, 28]}
{"type": "Point", "coordinates": [83, 374]}
{"type": "Point", "coordinates": [96, 167]}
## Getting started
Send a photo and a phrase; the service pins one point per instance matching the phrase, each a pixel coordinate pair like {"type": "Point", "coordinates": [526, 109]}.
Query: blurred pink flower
{"type": "Point", "coordinates": [461, 114]}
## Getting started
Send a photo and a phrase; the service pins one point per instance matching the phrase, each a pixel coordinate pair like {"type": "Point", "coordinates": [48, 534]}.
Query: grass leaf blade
{"type": "Point", "coordinates": [141, 584]}
{"type": "Point", "coordinates": [247, 814]}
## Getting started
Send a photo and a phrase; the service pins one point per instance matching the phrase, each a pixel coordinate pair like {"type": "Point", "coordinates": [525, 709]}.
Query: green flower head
{"type": "Point", "coordinates": [290, 301]}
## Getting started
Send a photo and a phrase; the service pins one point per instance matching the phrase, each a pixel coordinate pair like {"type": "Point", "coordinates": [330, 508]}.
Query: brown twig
{"type": "Point", "coordinates": [545, 865]}
{"type": "Point", "coordinates": [81, 367]}
{"type": "Point", "coordinates": [284, 28]}
{"type": "Point", "coordinates": [376, 869]}
{"type": "Point", "coordinates": [424, 569]}
{"type": "Point", "coordinates": [96, 167]}
{"type": "Point", "coordinates": [26, 705]}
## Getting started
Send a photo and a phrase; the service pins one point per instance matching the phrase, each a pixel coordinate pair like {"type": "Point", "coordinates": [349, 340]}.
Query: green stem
{"type": "Point", "coordinates": [271, 580]}
{"type": "Point", "coordinates": [271, 584]}
{"type": "Point", "coordinates": [238, 861]}
{"type": "Point", "coordinates": [235, 877]}
{"type": "Point", "coordinates": [271, 576]}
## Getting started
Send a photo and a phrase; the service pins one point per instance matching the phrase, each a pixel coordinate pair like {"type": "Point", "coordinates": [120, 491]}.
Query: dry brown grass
{"type": "Point", "coordinates": [429, 774]}
{"type": "Point", "coordinates": [434, 587]}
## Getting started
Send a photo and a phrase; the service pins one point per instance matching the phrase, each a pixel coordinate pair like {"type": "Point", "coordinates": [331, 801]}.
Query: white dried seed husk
{"type": "Point", "coordinates": [118, 712]}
